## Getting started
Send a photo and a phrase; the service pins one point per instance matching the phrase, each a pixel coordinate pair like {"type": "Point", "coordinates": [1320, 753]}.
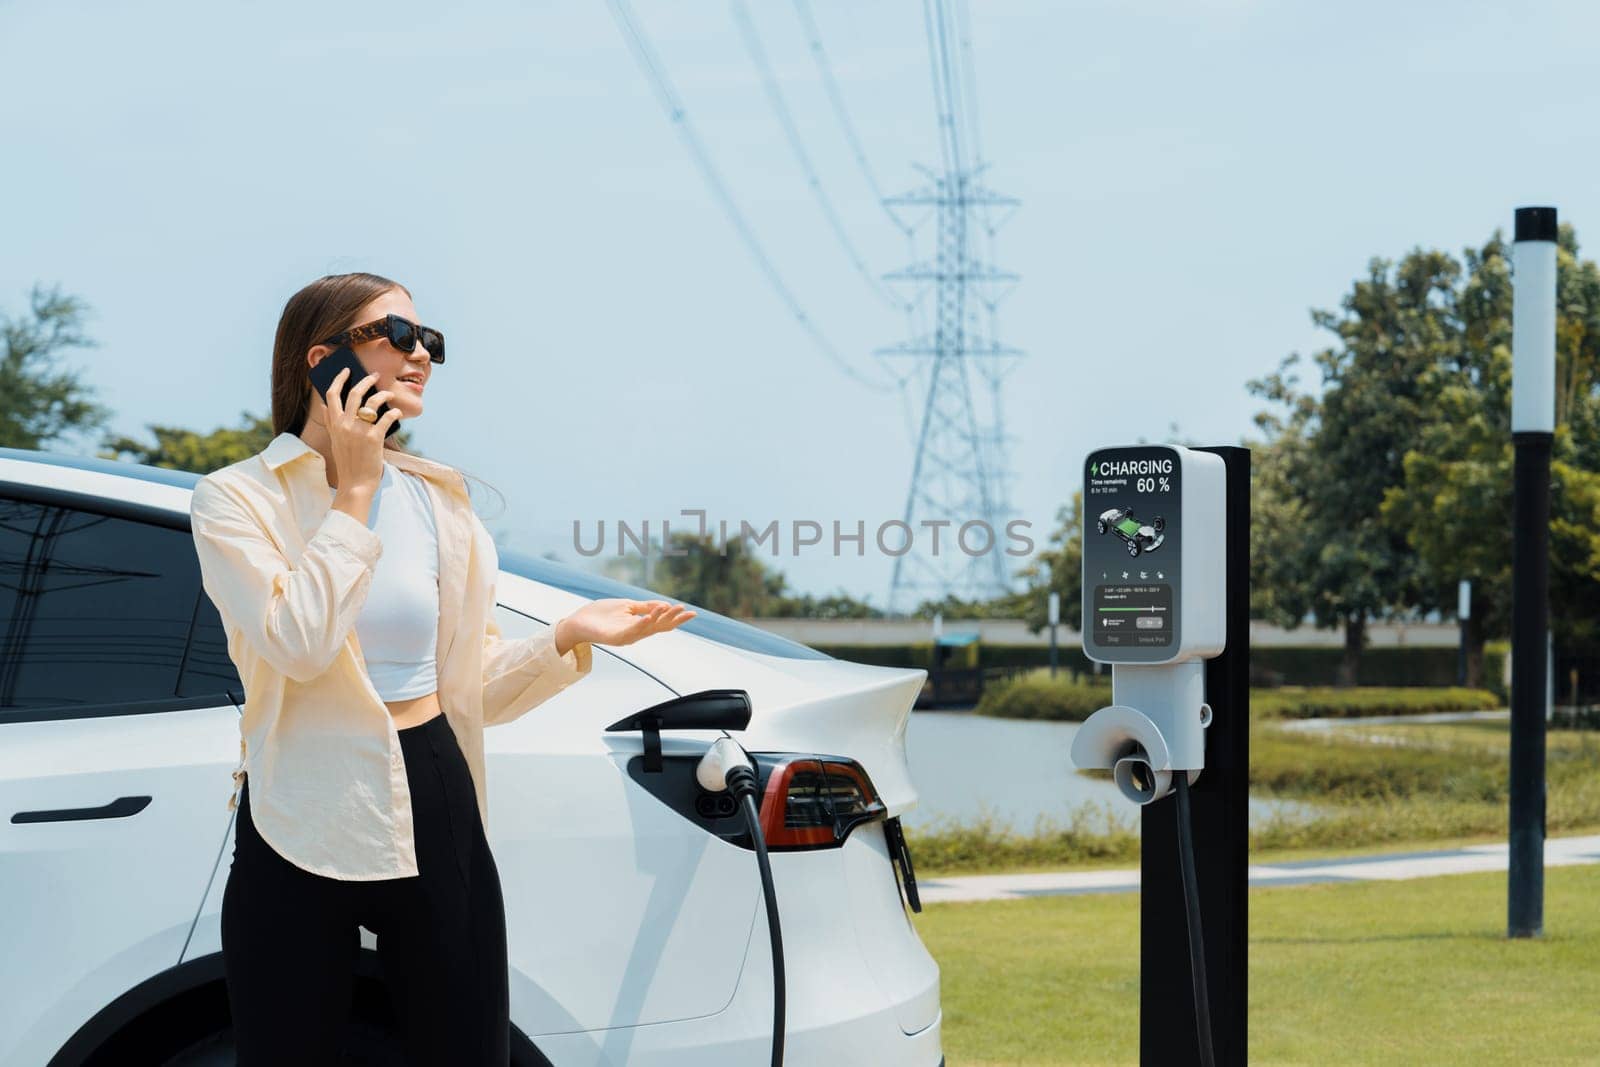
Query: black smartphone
{"type": "Point", "coordinates": [323, 373]}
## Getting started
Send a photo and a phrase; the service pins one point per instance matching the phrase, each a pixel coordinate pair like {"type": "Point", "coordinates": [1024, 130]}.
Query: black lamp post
{"type": "Point", "coordinates": [1533, 378]}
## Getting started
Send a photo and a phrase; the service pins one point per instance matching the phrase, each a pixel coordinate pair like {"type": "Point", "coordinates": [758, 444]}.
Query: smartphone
{"type": "Point", "coordinates": [323, 373]}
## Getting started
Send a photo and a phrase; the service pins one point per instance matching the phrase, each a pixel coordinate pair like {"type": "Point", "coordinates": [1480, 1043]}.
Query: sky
{"type": "Point", "coordinates": [1194, 177]}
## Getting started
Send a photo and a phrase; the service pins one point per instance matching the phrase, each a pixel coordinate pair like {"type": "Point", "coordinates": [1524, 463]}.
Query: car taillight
{"type": "Point", "coordinates": [814, 801]}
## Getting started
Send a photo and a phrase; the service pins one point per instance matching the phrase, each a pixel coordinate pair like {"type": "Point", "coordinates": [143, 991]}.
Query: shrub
{"type": "Point", "coordinates": [1330, 766]}
{"type": "Point", "coordinates": [1362, 701]}
{"type": "Point", "coordinates": [1092, 833]}
{"type": "Point", "coordinates": [1038, 696]}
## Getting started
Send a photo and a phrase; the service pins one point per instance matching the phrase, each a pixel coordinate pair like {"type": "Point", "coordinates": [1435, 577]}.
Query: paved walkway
{"type": "Point", "coordinates": [1501, 715]}
{"type": "Point", "coordinates": [1558, 852]}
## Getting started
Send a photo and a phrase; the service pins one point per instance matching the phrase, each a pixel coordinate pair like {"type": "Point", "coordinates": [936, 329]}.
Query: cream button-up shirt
{"type": "Point", "coordinates": [288, 574]}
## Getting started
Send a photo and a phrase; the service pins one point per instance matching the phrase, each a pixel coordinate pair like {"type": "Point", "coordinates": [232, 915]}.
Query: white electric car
{"type": "Point", "coordinates": [638, 933]}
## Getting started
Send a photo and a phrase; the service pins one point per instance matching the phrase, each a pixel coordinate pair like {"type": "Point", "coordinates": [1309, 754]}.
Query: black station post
{"type": "Point", "coordinates": [1220, 812]}
{"type": "Point", "coordinates": [1533, 374]}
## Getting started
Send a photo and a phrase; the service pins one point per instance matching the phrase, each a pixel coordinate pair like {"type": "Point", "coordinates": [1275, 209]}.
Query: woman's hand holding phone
{"type": "Point", "coordinates": [357, 444]}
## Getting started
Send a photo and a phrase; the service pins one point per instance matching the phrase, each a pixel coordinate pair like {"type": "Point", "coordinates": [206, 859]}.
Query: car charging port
{"type": "Point", "coordinates": [716, 805]}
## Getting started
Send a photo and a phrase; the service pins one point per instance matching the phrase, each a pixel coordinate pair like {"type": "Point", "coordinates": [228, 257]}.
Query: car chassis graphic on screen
{"type": "Point", "coordinates": [1139, 538]}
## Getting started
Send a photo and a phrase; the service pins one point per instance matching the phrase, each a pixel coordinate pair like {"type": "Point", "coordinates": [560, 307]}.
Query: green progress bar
{"type": "Point", "coordinates": [1154, 608]}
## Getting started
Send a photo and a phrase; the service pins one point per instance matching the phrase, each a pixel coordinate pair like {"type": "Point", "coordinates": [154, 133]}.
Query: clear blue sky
{"type": "Point", "coordinates": [1194, 177]}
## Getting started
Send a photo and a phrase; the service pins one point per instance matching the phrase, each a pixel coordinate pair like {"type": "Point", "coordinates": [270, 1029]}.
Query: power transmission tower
{"type": "Point", "coordinates": [959, 497]}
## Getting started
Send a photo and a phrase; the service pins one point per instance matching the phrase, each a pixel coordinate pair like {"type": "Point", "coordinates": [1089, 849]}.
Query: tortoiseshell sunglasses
{"type": "Point", "coordinates": [402, 333]}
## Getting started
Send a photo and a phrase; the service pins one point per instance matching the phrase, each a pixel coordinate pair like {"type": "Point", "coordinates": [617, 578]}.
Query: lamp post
{"type": "Point", "coordinates": [1533, 378]}
{"type": "Point", "coordinates": [1055, 620]}
{"type": "Point", "coordinates": [1464, 615]}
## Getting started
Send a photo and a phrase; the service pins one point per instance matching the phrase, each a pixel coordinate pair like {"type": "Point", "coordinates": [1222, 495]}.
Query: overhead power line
{"type": "Point", "coordinates": [970, 81]}
{"type": "Point", "coordinates": [819, 55]}
{"type": "Point", "coordinates": [655, 73]}
{"type": "Point", "coordinates": [841, 113]}
{"type": "Point", "coordinates": [780, 108]}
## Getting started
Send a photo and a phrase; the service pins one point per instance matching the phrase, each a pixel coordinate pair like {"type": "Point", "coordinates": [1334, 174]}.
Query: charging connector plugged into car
{"type": "Point", "coordinates": [727, 767]}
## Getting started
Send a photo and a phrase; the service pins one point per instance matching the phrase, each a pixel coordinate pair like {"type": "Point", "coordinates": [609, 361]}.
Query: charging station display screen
{"type": "Point", "coordinates": [1129, 615]}
{"type": "Point", "coordinates": [1131, 579]}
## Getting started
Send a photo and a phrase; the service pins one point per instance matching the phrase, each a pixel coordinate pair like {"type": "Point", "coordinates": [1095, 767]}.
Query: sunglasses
{"type": "Point", "coordinates": [402, 333]}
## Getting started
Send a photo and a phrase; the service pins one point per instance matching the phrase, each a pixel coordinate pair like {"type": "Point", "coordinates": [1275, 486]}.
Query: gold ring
{"type": "Point", "coordinates": [367, 414]}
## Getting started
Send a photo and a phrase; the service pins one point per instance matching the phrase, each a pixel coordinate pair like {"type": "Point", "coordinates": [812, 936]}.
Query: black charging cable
{"type": "Point", "coordinates": [1191, 906]}
{"type": "Point", "coordinates": [741, 781]}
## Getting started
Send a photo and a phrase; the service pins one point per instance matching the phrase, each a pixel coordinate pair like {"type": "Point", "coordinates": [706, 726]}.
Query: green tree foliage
{"type": "Point", "coordinates": [840, 605]}
{"type": "Point", "coordinates": [202, 453]}
{"type": "Point", "coordinates": [1327, 550]}
{"type": "Point", "coordinates": [1280, 555]}
{"type": "Point", "coordinates": [1454, 501]}
{"type": "Point", "coordinates": [40, 404]}
{"type": "Point", "coordinates": [1058, 568]}
{"type": "Point", "coordinates": [190, 450]}
{"type": "Point", "coordinates": [731, 581]}
{"type": "Point", "coordinates": [956, 607]}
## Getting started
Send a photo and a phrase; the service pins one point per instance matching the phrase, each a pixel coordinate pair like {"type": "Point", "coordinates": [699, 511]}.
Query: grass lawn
{"type": "Point", "coordinates": [1364, 973]}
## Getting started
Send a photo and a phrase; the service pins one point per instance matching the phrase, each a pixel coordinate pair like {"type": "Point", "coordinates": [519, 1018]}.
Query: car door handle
{"type": "Point", "coordinates": [120, 808]}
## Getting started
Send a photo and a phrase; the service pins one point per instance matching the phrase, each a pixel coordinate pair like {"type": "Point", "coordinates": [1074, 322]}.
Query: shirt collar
{"type": "Point", "coordinates": [290, 446]}
{"type": "Point", "coordinates": [284, 447]}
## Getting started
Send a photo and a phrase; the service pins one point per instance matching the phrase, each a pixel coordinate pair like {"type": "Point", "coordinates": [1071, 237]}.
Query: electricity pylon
{"type": "Point", "coordinates": [958, 502]}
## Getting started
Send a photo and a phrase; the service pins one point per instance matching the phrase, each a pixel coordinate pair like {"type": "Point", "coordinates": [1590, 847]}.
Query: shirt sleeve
{"type": "Point", "coordinates": [520, 675]}
{"type": "Point", "coordinates": [295, 615]}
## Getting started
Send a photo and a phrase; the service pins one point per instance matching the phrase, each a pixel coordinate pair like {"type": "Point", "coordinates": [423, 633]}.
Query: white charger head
{"type": "Point", "coordinates": [712, 771]}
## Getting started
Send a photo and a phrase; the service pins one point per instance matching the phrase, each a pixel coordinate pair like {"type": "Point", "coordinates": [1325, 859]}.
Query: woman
{"type": "Point", "coordinates": [356, 586]}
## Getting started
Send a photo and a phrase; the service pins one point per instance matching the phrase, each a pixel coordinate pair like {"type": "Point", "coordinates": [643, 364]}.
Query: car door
{"type": "Point", "coordinates": [118, 730]}
{"type": "Point", "coordinates": [620, 912]}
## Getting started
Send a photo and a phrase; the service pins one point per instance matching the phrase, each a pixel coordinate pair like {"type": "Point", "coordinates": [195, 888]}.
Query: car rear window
{"type": "Point", "coordinates": [707, 624]}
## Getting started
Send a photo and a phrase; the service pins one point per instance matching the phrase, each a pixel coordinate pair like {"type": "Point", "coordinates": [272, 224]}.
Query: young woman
{"type": "Point", "coordinates": [356, 585]}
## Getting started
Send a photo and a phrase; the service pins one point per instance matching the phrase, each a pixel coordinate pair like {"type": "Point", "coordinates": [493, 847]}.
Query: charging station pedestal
{"type": "Point", "coordinates": [1166, 591]}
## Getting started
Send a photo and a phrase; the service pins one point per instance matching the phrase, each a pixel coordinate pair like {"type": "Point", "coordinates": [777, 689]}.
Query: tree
{"type": "Point", "coordinates": [730, 581]}
{"type": "Point", "coordinates": [840, 605]}
{"type": "Point", "coordinates": [1454, 501]}
{"type": "Point", "coordinates": [38, 404]}
{"type": "Point", "coordinates": [1340, 561]}
{"type": "Point", "coordinates": [1281, 557]}
{"type": "Point", "coordinates": [1058, 568]}
{"type": "Point", "coordinates": [190, 450]}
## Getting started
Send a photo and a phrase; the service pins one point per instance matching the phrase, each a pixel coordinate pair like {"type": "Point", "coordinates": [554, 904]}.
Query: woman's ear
{"type": "Point", "coordinates": [317, 353]}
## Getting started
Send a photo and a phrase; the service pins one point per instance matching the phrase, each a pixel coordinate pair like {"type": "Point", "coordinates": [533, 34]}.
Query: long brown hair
{"type": "Point", "coordinates": [323, 308]}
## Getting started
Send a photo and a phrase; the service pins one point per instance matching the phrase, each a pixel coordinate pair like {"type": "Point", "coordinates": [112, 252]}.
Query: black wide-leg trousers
{"type": "Point", "coordinates": [290, 939]}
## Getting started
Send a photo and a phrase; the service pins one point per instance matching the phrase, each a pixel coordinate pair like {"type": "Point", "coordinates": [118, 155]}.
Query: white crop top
{"type": "Point", "coordinates": [398, 625]}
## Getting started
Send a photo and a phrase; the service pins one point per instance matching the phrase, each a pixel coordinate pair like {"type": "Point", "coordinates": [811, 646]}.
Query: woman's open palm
{"type": "Point", "coordinates": [620, 621]}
